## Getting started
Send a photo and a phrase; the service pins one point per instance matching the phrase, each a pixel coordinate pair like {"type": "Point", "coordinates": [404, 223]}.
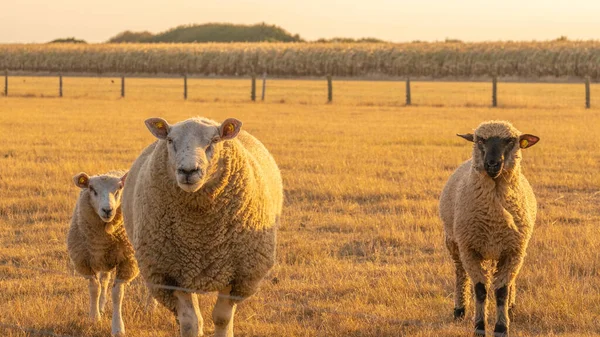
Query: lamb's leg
{"type": "Point", "coordinates": [462, 282]}
{"type": "Point", "coordinates": [188, 314]}
{"type": "Point", "coordinates": [506, 273]}
{"type": "Point", "coordinates": [223, 313]}
{"type": "Point", "coordinates": [104, 280]}
{"type": "Point", "coordinates": [94, 287]}
{"type": "Point", "coordinates": [118, 327]}
{"type": "Point", "coordinates": [472, 262]}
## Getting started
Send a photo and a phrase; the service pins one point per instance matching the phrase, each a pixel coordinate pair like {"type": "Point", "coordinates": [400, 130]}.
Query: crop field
{"type": "Point", "coordinates": [553, 59]}
{"type": "Point", "coordinates": [361, 249]}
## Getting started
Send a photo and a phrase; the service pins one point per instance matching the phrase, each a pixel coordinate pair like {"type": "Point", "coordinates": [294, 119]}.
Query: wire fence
{"type": "Point", "coordinates": [494, 93]}
{"type": "Point", "coordinates": [358, 315]}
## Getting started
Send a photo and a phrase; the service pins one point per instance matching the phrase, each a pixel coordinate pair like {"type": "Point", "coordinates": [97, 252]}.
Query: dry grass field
{"type": "Point", "coordinates": [361, 249]}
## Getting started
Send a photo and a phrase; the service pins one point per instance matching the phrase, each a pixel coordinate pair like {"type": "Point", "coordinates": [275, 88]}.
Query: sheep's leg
{"type": "Point", "coordinates": [104, 280]}
{"type": "Point", "coordinates": [512, 297]}
{"type": "Point", "coordinates": [223, 313]}
{"type": "Point", "coordinates": [188, 314]}
{"type": "Point", "coordinates": [473, 264]}
{"type": "Point", "coordinates": [506, 271]}
{"type": "Point", "coordinates": [462, 282]}
{"type": "Point", "coordinates": [118, 327]}
{"type": "Point", "coordinates": [94, 287]}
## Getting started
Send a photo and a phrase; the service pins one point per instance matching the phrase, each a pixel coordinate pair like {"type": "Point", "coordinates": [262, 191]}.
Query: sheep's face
{"type": "Point", "coordinates": [191, 147]}
{"type": "Point", "coordinates": [497, 147]}
{"type": "Point", "coordinates": [104, 193]}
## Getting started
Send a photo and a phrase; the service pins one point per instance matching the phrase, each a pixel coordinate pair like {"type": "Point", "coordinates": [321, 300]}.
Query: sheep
{"type": "Point", "coordinates": [97, 242]}
{"type": "Point", "coordinates": [201, 206]}
{"type": "Point", "coordinates": [488, 210]}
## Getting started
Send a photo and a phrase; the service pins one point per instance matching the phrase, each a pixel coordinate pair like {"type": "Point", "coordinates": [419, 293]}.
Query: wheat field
{"type": "Point", "coordinates": [361, 249]}
{"type": "Point", "coordinates": [531, 60]}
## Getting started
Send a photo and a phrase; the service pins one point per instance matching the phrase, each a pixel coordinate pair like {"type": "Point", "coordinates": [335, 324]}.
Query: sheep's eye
{"type": "Point", "coordinates": [480, 141]}
{"type": "Point", "coordinates": [93, 191]}
{"type": "Point", "coordinates": [169, 140]}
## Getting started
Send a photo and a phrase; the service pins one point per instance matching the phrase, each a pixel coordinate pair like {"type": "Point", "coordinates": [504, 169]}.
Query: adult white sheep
{"type": "Point", "coordinates": [97, 242]}
{"type": "Point", "coordinates": [202, 207]}
{"type": "Point", "coordinates": [488, 209]}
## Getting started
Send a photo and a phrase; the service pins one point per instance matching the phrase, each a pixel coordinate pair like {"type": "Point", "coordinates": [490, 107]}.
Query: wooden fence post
{"type": "Point", "coordinates": [329, 89]}
{"type": "Point", "coordinates": [264, 87]}
{"type": "Point", "coordinates": [253, 88]}
{"type": "Point", "coordinates": [122, 86]}
{"type": "Point", "coordinates": [408, 99]}
{"type": "Point", "coordinates": [495, 91]}
{"type": "Point", "coordinates": [185, 86]}
{"type": "Point", "coordinates": [588, 103]}
{"type": "Point", "coordinates": [6, 83]}
{"type": "Point", "coordinates": [60, 92]}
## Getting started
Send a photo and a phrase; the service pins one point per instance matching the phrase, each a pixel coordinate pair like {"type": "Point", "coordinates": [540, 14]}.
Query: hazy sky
{"type": "Point", "coordinates": [400, 20]}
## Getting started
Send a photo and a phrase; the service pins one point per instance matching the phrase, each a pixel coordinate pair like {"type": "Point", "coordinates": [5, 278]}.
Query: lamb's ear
{"type": "Point", "coordinates": [528, 140]}
{"type": "Point", "coordinates": [229, 128]}
{"type": "Point", "coordinates": [467, 136]}
{"type": "Point", "coordinates": [158, 126]}
{"type": "Point", "coordinates": [122, 182]}
{"type": "Point", "coordinates": [81, 180]}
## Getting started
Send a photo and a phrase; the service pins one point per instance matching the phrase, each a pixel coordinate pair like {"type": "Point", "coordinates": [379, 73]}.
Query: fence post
{"type": "Point", "coordinates": [408, 99]}
{"type": "Point", "coordinates": [6, 83]}
{"type": "Point", "coordinates": [122, 86]}
{"type": "Point", "coordinates": [60, 92]}
{"type": "Point", "coordinates": [495, 91]}
{"type": "Point", "coordinates": [264, 87]}
{"type": "Point", "coordinates": [185, 86]}
{"type": "Point", "coordinates": [329, 89]}
{"type": "Point", "coordinates": [588, 103]}
{"type": "Point", "coordinates": [253, 89]}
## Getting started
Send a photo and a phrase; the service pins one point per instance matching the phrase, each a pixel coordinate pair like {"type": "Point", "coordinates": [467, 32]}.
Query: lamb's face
{"type": "Point", "coordinates": [191, 147]}
{"type": "Point", "coordinates": [104, 193]}
{"type": "Point", "coordinates": [497, 147]}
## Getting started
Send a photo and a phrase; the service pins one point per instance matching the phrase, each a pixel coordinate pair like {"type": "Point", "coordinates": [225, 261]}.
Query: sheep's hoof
{"type": "Point", "coordinates": [459, 314]}
{"type": "Point", "coordinates": [500, 330]}
{"type": "Point", "coordinates": [479, 329]}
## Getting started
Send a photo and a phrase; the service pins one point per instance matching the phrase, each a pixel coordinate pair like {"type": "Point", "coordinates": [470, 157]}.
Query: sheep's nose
{"type": "Point", "coordinates": [107, 211]}
{"type": "Point", "coordinates": [188, 172]}
{"type": "Point", "coordinates": [492, 163]}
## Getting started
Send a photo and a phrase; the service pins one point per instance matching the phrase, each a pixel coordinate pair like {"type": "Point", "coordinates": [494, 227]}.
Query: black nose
{"type": "Point", "coordinates": [107, 211]}
{"type": "Point", "coordinates": [188, 172]}
{"type": "Point", "coordinates": [492, 163]}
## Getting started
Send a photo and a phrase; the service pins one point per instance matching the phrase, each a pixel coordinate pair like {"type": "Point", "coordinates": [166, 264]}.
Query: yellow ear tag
{"type": "Point", "coordinates": [81, 180]}
{"type": "Point", "coordinates": [524, 143]}
{"type": "Point", "coordinates": [229, 129]}
{"type": "Point", "coordinates": [159, 125]}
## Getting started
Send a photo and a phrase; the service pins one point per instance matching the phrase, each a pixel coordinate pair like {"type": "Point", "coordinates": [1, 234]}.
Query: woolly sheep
{"type": "Point", "coordinates": [97, 242]}
{"type": "Point", "coordinates": [488, 209]}
{"type": "Point", "coordinates": [201, 207]}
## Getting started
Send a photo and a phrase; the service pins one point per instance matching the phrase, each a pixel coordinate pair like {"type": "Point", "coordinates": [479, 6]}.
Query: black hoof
{"type": "Point", "coordinates": [480, 329]}
{"type": "Point", "coordinates": [500, 330]}
{"type": "Point", "coordinates": [459, 314]}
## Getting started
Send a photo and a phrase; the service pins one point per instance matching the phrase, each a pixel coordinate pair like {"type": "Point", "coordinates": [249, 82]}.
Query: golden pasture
{"type": "Point", "coordinates": [361, 249]}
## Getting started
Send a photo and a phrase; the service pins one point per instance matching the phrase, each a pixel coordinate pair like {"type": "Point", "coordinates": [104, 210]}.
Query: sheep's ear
{"type": "Point", "coordinates": [122, 182]}
{"type": "Point", "coordinates": [158, 126]}
{"type": "Point", "coordinates": [528, 140]}
{"type": "Point", "coordinates": [81, 180]}
{"type": "Point", "coordinates": [467, 136]}
{"type": "Point", "coordinates": [230, 128]}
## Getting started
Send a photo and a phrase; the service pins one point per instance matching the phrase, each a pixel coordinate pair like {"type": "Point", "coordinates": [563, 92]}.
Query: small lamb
{"type": "Point", "coordinates": [488, 209]}
{"type": "Point", "coordinates": [97, 242]}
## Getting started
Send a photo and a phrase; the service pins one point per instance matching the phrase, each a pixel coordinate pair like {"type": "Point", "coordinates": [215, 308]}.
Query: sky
{"type": "Point", "coordinates": [25, 21]}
